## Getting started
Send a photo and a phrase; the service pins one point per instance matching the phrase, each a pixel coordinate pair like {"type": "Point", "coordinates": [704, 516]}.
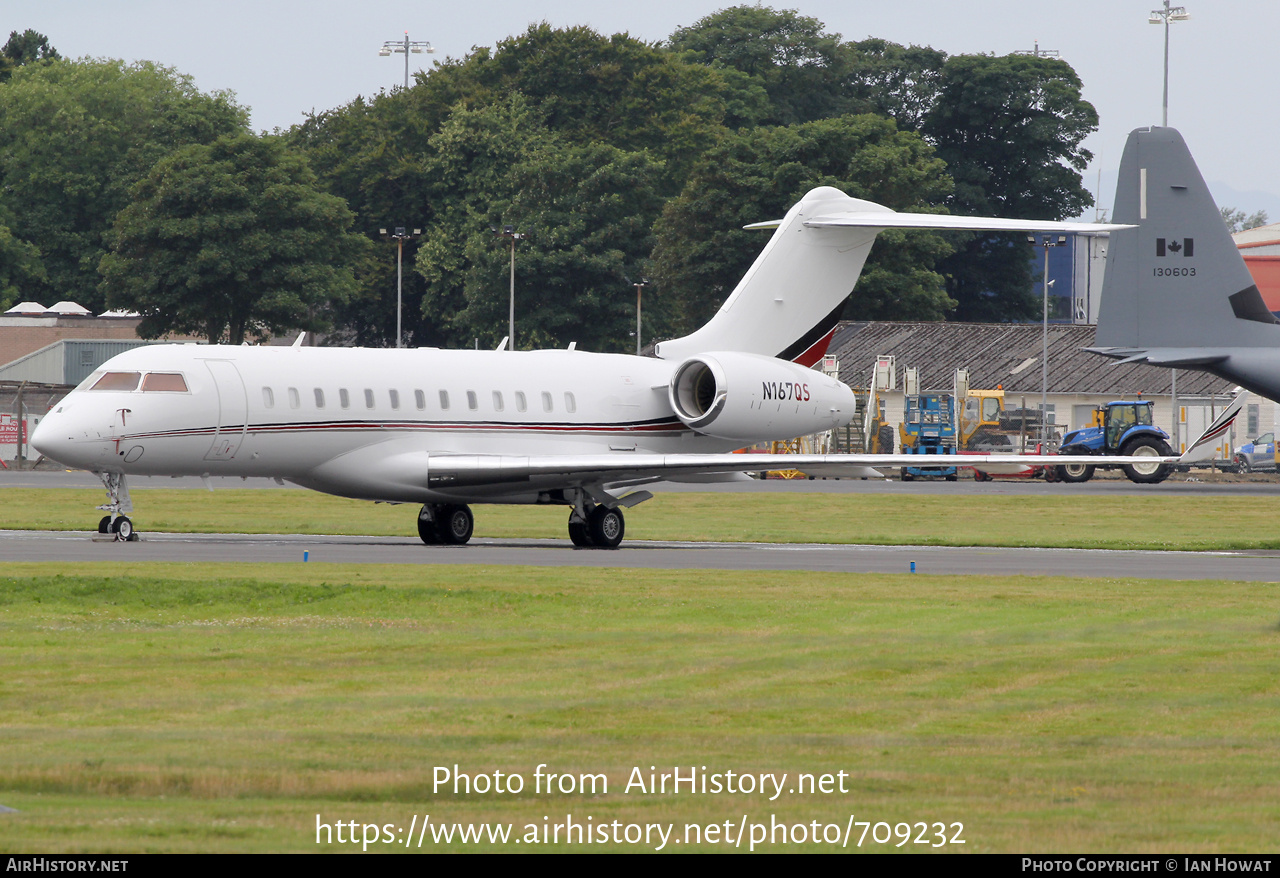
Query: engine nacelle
{"type": "Point", "coordinates": [752, 398]}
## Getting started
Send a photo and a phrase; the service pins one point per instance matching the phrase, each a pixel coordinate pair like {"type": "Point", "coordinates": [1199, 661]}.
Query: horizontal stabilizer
{"type": "Point", "coordinates": [888, 219]}
{"type": "Point", "coordinates": [1170, 357]}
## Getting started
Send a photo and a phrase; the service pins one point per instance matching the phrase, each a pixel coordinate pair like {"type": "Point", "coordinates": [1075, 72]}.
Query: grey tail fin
{"type": "Point", "coordinates": [1177, 281]}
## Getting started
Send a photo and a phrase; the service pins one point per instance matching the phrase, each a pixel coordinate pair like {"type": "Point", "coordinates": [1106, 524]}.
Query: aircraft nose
{"type": "Point", "coordinates": [55, 438]}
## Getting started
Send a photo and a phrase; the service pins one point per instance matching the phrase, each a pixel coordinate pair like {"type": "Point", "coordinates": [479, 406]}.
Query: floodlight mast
{"type": "Point", "coordinates": [1164, 16]}
{"type": "Point", "coordinates": [405, 47]}
{"type": "Point", "coordinates": [400, 235]}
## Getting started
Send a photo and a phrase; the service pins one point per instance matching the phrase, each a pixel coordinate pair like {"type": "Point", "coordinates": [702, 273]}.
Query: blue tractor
{"type": "Point", "coordinates": [1122, 427]}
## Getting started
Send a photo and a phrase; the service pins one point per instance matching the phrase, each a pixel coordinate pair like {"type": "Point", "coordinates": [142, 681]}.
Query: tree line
{"type": "Point", "coordinates": [124, 186]}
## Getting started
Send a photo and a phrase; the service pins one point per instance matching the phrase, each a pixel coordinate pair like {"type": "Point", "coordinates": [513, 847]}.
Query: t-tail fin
{"type": "Point", "coordinates": [1176, 291]}
{"type": "Point", "coordinates": [789, 301]}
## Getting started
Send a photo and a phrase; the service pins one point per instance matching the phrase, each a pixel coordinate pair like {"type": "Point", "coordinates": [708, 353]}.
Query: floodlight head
{"type": "Point", "coordinates": [1179, 13]}
{"type": "Point", "coordinates": [384, 52]}
{"type": "Point", "coordinates": [1157, 17]}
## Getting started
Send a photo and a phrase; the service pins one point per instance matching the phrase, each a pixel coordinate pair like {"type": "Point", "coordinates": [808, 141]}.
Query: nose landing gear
{"type": "Point", "coordinates": [118, 502]}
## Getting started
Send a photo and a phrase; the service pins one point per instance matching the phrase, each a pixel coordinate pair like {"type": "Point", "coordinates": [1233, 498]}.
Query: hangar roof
{"type": "Point", "coordinates": [1005, 354]}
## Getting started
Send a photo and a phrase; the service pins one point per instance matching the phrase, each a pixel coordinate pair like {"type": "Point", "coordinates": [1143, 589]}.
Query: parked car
{"type": "Point", "coordinates": [1257, 455]}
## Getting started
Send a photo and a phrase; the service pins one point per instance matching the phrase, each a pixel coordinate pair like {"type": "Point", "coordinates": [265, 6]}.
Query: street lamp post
{"type": "Point", "coordinates": [510, 233]}
{"type": "Point", "coordinates": [405, 47]}
{"type": "Point", "coordinates": [639, 287]}
{"type": "Point", "coordinates": [1046, 241]}
{"type": "Point", "coordinates": [1164, 16]}
{"type": "Point", "coordinates": [399, 235]}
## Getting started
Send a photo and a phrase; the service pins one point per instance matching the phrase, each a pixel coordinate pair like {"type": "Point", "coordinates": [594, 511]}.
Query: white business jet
{"type": "Point", "coordinates": [448, 429]}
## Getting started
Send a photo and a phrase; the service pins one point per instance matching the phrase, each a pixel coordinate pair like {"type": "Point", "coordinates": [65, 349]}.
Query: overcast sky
{"type": "Point", "coordinates": [284, 58]}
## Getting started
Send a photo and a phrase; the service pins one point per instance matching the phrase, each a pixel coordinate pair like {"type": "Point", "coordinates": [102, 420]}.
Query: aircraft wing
{"type": "Point", "coordinates": [447, 471]}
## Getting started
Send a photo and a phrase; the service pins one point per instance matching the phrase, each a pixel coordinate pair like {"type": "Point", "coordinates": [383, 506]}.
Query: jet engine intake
{"type": "Point", "coordinates": [753, 398]}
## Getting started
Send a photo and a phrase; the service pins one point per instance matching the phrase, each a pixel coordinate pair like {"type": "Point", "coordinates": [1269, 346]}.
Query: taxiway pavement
{"type": "Point", "coordinates": [65, 546]}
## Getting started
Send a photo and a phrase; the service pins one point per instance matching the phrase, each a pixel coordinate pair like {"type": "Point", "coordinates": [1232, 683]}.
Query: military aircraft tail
{"type": "Point", "coordinates": [1176, 291]}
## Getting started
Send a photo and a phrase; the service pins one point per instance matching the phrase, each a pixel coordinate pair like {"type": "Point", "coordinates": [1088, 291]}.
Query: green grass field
{"type": "Point", "coordinates": [1058, 520]}
{"type": "Point", "coordinates": [222, 708]}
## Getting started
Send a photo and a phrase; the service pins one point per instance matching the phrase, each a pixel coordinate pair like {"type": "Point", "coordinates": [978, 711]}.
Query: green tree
{"type": "Point", "coordinates": [74, 137]}
{"type": "Point", "coordinates": [1010, 129]}
{"type": "Point", "coordinates": [1239, 221]}
{"type": "Point", "coordinates": [230, 240]}
{"type": "Point", "coordinates": [888, 79]}
{"type": "Point", "coordinates": [27, 47]}
{"type": "Point", "coordinates": [800, 68]}
{"type": "Point", "coordinates": [702, 250]}
{"type": "Point", "coordinates": [587, 209]}
{"type": "Point", "coordinates": [20, 265]}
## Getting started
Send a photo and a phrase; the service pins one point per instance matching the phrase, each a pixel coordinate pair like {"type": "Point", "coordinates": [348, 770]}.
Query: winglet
{"type": "Point", "coordinates": [1204, 447]}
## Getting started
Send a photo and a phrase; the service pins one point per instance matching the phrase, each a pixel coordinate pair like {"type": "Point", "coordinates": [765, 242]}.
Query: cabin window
{"type": "Point", "coordinates": [118, 381]}
{"type": "Point", "coordinates": [420, 399]}
{"type": "Point", "coordinates": [521, 405]}
{"type": "Point", "coordinates": [497, 401]}
{"type": "Point", "coordinates": [546, 401]}
{"type": "Point", "coordinates": [268, 398]}
{"type": "Point", "coordinates": [368, 398]}
{"type": "Point", "coordinates": [472, 402]}
{"type": "Point", "coordinates": [570, 404]}
{"type": "Point", "coordinates": [319, 398]}
{"type": "Point", "coordinates": [444, 400]}
{"type": "Point", "coordinates": [294, 401]}
{"type": "Point", "coordinates": [395, 399]}
{"type": "Point", "coordinates": [164, 382]}
{"type": "Point", "coordinates": [344, 398]}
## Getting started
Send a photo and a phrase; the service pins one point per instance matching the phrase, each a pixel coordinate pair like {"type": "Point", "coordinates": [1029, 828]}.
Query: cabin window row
{"type": "Point", "coordinates": [497, 400]}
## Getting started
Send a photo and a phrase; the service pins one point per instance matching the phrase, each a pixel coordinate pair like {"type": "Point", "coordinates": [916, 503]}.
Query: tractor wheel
{"type": "Point", "coordinates": [1074, 472]}
{"type": "Point", "coordinates": [1147, 473]}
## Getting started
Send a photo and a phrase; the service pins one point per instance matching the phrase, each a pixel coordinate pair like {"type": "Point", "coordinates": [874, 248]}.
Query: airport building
{"type": "Point", "coordinates": [1010, 356]}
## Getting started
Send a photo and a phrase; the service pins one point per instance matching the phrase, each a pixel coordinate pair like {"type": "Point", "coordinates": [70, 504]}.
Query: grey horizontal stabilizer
{"type": "Point", "coordinates": [1170, 357]}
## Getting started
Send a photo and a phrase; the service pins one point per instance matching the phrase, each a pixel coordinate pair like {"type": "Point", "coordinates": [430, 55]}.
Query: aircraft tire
{"type": "Point", "coordinates": [104, 524]}
{"type": "Point", "coordinates": [606, 527]}
{"type": "Point", "coordinates": [123, 529]}
{"type": "Point", "coordinates": [1074, 473]}
{"type": "Point", "coordinates": [455, 524]}
{"type": "Point", "coordinates": [579, 533]}
{"type": "Point", "coordinates": [1142, 473]}
{"type": "Point", "coordinates": [427, 527]}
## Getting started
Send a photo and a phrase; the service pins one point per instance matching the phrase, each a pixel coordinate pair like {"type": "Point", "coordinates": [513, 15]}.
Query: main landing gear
{"type": "Point", "coordinates": [602, 528]}
{"type": "Point", "coordinates": [118, 502]}
{"type": "Point", "coordinates": [445, 523]}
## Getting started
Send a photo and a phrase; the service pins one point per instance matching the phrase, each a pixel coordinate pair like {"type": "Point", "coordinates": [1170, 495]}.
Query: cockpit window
{"type": "Point", "coordinates": [118, 381]}
{"type": "Point", "coordinates": [168, 382]}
